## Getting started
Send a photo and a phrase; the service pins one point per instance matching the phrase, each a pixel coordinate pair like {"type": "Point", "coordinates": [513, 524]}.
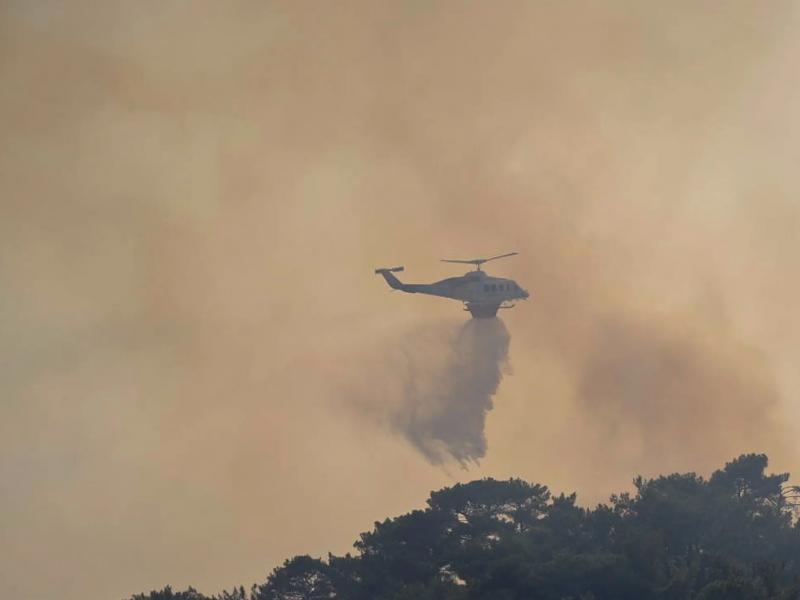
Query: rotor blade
{"type": "Point", "coordinates": [501, 256]}
{"type": "Point", "coordinates": [476, 261]}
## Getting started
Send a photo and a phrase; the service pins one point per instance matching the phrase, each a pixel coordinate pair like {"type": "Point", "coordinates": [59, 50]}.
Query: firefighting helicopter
{"type": "Point", "coordinates": [481, 294]}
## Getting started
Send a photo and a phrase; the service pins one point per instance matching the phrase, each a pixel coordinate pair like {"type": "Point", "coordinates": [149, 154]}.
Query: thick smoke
{"type": "Point", "coordinates": [434, 385]}
{"type": "Point", "coordinates": [447, 389]}
{"type": "Point", "coordinates": [663, 394]}
{"type": "Point", "coordinates": [193, 199]}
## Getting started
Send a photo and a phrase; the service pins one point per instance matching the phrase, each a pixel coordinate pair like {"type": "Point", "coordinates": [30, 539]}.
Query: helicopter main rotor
{"type": "Point", "coordinates": [478, 261]}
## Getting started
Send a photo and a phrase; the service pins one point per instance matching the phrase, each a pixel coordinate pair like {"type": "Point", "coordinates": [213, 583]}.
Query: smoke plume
{"type": "Point", "coordinates": [194, 196]}
{"type": "Point", "coordinates": [443, 382]}
{"type": "Point", "coordinates": [666, 394]}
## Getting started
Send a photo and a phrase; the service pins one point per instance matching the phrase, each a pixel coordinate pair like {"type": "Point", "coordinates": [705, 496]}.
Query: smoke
{"type": "Point", "coordinates": [659, 394]}
{"type": "Point", "coordinates": [439, 388]}
{"type": "Point", "coordinates": [194, 198]}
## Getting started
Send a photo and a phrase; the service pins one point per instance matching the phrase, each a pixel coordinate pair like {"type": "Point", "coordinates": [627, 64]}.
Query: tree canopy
{"type": "Point", "coordinates": [675, 537]}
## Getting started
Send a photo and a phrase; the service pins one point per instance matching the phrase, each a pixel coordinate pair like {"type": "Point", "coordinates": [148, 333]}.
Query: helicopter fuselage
{"type": "Point", "coordinates": [481, 293]}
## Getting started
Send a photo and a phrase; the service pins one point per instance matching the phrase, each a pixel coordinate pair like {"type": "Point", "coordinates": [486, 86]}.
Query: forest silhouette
{"type": "Point", "coordinates": [732, 536]}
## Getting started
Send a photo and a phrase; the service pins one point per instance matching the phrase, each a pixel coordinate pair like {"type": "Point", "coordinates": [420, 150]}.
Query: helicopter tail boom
{"type": "Point", "coordinates": [388, 275]}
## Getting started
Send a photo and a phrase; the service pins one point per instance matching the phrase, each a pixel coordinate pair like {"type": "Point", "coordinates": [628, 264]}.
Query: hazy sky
{"type": "Point", "coordinates": [193, 196]}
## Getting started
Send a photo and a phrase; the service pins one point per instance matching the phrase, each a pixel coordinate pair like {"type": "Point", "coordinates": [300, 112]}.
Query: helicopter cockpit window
{"type": "Point", "coordinates": [494, 287]}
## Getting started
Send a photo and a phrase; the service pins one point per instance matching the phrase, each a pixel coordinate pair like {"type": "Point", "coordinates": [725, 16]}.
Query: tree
{"type": "Point", "coordinates": [168, 594]}
{"type": "Point", "coordinates": [300, 578]}
{"type": "Point", "coordinates": [674, 537]}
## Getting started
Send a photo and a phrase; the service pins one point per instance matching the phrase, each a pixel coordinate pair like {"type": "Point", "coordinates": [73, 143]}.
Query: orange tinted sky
{"type": "Point", "coordinates": [193, 197]}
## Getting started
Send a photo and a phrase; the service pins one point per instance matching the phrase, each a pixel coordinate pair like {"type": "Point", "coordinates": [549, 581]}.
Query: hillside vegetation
{"type": "Point", "coordinates": [732, 536]}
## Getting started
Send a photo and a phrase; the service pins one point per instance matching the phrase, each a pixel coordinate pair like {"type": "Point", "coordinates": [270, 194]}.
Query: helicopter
{"type": "Point", "coordinates": [481, 294]}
